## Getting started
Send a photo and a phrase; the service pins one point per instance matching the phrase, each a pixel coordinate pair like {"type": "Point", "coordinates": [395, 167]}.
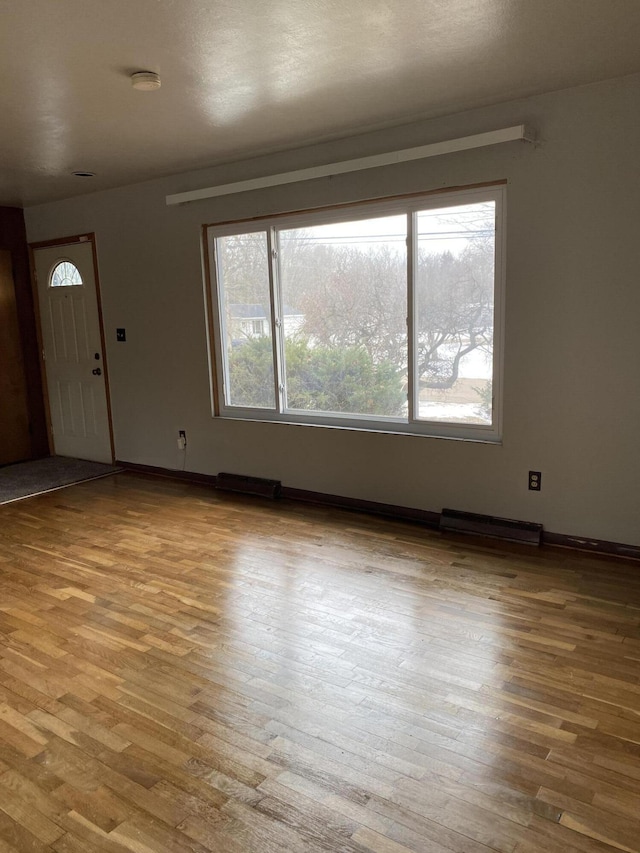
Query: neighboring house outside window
{"type": "Point", "coordinates": [252, 321]}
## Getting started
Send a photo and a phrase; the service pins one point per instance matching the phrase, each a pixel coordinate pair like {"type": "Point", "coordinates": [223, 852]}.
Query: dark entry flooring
{"type": "Point", "coordinates": [44, 475]}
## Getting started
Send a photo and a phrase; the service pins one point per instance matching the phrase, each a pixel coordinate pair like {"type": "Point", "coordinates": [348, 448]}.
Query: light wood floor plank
{"type": "Point", "coordinates": [186, 670]}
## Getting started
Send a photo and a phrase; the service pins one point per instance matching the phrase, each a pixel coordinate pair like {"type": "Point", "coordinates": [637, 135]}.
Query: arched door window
{"type": "Point", "coordinates": [65, 274]}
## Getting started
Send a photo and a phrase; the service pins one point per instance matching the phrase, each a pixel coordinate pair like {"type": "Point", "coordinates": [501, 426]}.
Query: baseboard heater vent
{"type": "Point", "coordinates": [455, 521]}
{"type": "Point", "coordinates": [249, 485]}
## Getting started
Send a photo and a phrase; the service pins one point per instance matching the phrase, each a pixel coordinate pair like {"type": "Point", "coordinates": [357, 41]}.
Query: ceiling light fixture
{"type": "Point", "coordinates": [145, 81]}
{"type": "Point", "coordinates": [81, 174]}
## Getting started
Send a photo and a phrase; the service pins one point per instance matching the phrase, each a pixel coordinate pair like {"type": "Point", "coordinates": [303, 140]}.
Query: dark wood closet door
{"type": "Point", "coordinates": [15, 443]}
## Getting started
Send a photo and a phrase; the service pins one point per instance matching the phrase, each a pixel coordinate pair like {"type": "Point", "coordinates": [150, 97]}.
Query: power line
{"type": "Point", "coordinates": [390, 238]}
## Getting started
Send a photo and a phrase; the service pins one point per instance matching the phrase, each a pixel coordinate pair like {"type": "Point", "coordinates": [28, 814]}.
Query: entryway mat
{"type": "Point", "coordinates": [26, 479]}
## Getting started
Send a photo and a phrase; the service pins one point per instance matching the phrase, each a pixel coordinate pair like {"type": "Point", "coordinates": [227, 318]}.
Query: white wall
{"type": "Point", "coordinates": [572, 378]}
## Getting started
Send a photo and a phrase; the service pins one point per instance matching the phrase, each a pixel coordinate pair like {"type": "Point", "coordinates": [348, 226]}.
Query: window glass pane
{"type": "Point", "coordinates": [454, 313]}
{"type": "Point", "coordinates": [344, 317]}
{"type": "Point", "coordinates": [65, 274]}
{"type": "Point", "coordinates": [243, 287]}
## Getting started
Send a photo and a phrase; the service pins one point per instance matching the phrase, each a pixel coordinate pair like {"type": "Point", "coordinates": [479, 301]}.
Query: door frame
{"type": "Point", "coordinates": [88, 237]}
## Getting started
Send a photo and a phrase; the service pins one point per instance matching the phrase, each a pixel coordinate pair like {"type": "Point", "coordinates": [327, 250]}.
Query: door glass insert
{"type": "Point", "coordinates": [65, 274]}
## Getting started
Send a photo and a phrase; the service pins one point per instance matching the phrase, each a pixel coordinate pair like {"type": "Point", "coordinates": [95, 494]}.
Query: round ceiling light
{"type": "Point", "coordinates": [145, 81]}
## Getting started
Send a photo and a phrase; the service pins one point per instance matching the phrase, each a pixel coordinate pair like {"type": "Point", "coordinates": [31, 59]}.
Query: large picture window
{"type": "Point", "coordinates": [382, 316]}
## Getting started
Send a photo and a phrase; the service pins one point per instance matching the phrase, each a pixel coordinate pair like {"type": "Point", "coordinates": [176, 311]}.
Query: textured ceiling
{"type": "Point", "coordinates": [242, 77]}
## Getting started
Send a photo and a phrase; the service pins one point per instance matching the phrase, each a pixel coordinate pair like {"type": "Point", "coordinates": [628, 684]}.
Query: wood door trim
{"type": "Point", "coordinates": [43, 367]}
{"type": "Point", "coordinates": [103, 344]}
{"type": "Point", "coordinates": [87, 237]}
{"type": "Point", "coordinates": [76, 239]}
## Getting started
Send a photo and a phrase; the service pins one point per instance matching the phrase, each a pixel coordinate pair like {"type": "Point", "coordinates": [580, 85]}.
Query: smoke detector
{"type": "Point", "coordinates": [145, 81]}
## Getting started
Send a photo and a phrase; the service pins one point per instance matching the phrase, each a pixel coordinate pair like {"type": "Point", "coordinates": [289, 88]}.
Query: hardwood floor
{"type": "Point", "coordinates": [185, 670]}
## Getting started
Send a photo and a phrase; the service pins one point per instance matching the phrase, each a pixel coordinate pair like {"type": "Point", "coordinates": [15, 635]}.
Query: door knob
{"type": "Point", "coordinates": [97, 372]}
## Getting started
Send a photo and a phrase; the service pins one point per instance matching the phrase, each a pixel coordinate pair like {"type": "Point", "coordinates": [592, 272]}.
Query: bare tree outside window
{"type": "Point", "coordinates": [454, 312]}
{"type": "Point", "coordinates": [342, 299]}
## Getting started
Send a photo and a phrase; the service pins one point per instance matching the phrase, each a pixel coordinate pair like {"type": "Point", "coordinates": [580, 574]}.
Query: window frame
{"type": "Point", "coordinates": [410, 205]}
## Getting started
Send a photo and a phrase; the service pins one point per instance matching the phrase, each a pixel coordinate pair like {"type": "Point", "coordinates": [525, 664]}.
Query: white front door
{"type": "Point", "coordinates": [73, 357]}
